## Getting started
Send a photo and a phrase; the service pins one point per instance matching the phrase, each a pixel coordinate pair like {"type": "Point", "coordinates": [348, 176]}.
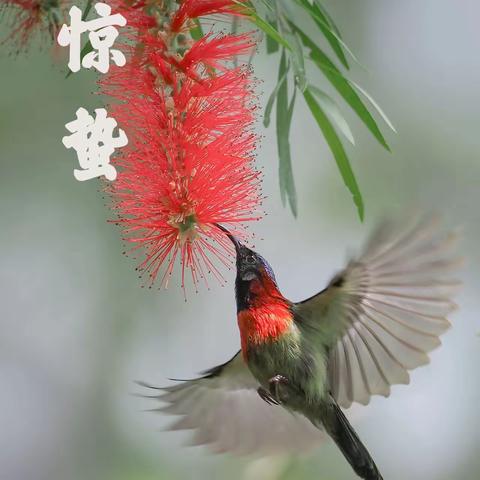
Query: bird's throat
{"type": "Point", "coordinates": [264, 322]}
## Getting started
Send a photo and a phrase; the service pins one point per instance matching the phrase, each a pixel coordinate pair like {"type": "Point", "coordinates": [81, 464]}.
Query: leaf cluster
{"type": "Point", "coordinates": [276, 19]}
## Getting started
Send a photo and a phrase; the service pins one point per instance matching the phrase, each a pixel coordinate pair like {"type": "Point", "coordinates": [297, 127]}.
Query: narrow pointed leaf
{"type": "Point", "coordinates": [332, 110]}
{"type": "Point", "coordinates": [234, 30]}
{"type": "Point", "coordinates": [374, 104]}
{"type": "Point", "coordinates": [337, 44]}
{"type": "Point", "coordinates": [263, 25]}
{"type": "Point", "coordinates": [337, 149]}
{"type": "Point", "coordinates": [87, 48]}
{"type": "Point", "coordinates": [269, 30]}
{"type": "Point", "coordinates": [298, 62]}
{"type": "Point", "coordinates": [342, 85]}
{"type": "Point", "coordinates": [258, 4]}
{"type": "Point", "coordinates": [296, 57]}
{"type": "Point", "coordinates": [272, 45]}
{"type": "Point", "coordinates": [320, 6]}
{"type": "Point", "coordinates": [88, 7]}
{"type": "Point", "coordinates": [283, 121]}
{"type": "Point", "coordinates": [271, 99]}
{"type": "Point", "coordinates": [197, 31]}
{"type": "Point", "coordinates": [296, 54]}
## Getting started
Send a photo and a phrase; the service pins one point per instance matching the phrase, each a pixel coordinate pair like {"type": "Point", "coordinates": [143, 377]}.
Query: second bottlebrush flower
{"type": "Point", "coordinates": [28, 18]}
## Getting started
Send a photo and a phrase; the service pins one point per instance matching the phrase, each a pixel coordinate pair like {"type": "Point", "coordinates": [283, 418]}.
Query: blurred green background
{"type": "Point", "coordinates": [77, 329]}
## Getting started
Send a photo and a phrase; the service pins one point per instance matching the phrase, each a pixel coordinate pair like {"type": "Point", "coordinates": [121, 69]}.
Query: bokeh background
{"type": "Point", "coordinates": [77, 329]}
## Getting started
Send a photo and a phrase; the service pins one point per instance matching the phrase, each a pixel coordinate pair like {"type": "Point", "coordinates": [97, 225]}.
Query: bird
{"type": "Point", "coordinates": [301, 362]}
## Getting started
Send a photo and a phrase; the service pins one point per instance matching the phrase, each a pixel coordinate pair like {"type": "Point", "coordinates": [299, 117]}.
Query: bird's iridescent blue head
{"type": "Point", "coordinates": [250, 265]}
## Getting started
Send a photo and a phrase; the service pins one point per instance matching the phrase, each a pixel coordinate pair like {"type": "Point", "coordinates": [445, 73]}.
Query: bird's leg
{"type": "Point", "coordinates": [275, 386]}
{"type": "Point", "coordinates": [266, 396]}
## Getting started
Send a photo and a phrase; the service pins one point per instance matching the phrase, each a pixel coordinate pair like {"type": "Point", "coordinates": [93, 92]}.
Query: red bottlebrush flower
{"type": "Point", "coordinates": [198, 8]}
{"type": "Point", "coordinates": [212, 51]}
{"type": "Point", "coordinates": [135, 12]}
{"type": "Point", "coordinates": [29, 17]}
{"type": "Point", "coordinates": [189, 162]}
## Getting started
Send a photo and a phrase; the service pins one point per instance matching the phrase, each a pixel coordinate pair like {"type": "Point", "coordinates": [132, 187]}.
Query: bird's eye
{"type": "Point", "coordinates": [250, 260]}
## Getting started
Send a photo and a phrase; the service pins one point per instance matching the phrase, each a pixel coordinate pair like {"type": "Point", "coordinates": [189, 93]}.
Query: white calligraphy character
{"type": "Point", "coordinates": [94, 142]}
{"type": "Point", "coordinates": [102, 36]}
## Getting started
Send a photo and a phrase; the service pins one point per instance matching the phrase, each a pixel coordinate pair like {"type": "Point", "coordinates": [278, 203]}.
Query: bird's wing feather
{"type": "Point", "coordinates": [381, 316]}
{"type": "Point", "coordinates": [225, 411]}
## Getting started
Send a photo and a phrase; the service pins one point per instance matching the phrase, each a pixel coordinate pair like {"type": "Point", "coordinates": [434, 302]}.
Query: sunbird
{"type": "Point", "coordinates": [301, 361]}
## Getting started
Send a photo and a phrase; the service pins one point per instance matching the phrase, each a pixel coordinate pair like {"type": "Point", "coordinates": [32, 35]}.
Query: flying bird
{"type": "Point", "coordinates": [300, 362]}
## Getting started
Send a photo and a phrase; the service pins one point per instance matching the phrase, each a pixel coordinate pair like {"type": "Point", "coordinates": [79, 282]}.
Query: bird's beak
{"type": "Point", "coordinates": [235, 242]}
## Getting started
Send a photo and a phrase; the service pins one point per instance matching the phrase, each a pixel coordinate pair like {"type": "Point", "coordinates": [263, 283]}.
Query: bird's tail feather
{"type": "Point", "coordinates": [339, 428]}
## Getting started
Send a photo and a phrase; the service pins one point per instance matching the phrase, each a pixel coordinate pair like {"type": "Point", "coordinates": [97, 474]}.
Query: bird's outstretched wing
{"type": "Point", "coordinates": [225, 411]}
{"type": "Point", "coordinates": [380, 316]}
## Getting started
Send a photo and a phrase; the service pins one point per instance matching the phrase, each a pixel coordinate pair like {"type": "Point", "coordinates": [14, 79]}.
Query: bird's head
{"type": "Point", "coordinates": [255, 276]}
{"type": "Point", "coordinates": [252, 266]}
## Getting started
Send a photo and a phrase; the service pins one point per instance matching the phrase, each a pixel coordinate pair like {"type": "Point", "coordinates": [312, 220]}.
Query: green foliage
{"type": "Point", "coordinates": [278, 26]}
{"type": "Point", "coordinates": [272, 45]}
{"type": "Point", "coordinates": [266, 26]}
{"type": "Point", "coordinates": [327, 30]}
{"type": "Point", "coordinates": [87, 48]}
{"type": "Point", "coordinates": [284, 120]}
{"type": "Point", "coordinates": [331, 108]}
{"type": "Point", "coordinates": [337, 149]}
{"type": "Point", "coordinates": [197, 32]}
{"type": "Point", "coordinates": [88, 7]}
{"type": "Point", "coordinates": [342, 85]}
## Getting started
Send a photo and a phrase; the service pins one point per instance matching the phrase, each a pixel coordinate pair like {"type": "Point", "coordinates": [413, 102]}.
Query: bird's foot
{"type": "Point", "coordinates": [276, 391]}
{"type": "Point", "coordinates": [266, 396]}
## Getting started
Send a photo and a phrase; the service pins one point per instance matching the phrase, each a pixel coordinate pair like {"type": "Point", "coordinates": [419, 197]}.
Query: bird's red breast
{"type": "Point", "coordinates": [266, 318]}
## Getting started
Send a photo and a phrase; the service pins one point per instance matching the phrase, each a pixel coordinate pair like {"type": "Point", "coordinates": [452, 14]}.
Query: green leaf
{"type": "Point", "coordinates": [332, 110]}
{"type": "Point", "coordinates": [296, 54]}
{"type": "Point", "coordinates": [320, 6]}
{"type": "Point", "coordinates": [298, 62]}
{"type": "Point", "coordinates": [84, 50]}
{"type": "Point", "coordinates": [88, 7]}
{"type": "Point", "coordinates": [374, 104]}
{"type": "Point", "coordinates": [87, 48]}
{"type": "Point", "coordinates": [342, 85]}
{"type": "Point", "coordinates": [283, 120]}
{"type": "Point", "coordinates": [234, 30]}
{"type": "Point", "coordinates": [197, 31]}
{"type": "Point", "coordinates": [271, 99]}
{"type": "Point", "coordinates": [261, 5]}
{"type": "Point", "coordinates": [269, 30]}
{"type": "Point", "coordinates": [263, 25]}
{"type": "Point", "coordinates": [337, 149]}
{"type": "Point", "coordinates": [335, 41]}
{"type": "Point", "coordinates": [272, 45]}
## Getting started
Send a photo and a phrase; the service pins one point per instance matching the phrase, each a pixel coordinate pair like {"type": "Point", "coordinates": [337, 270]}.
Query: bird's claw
{"type": "Point", "coordinates": [266, 396]}
{"type": "Point", "coordinates": [274, 385]}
